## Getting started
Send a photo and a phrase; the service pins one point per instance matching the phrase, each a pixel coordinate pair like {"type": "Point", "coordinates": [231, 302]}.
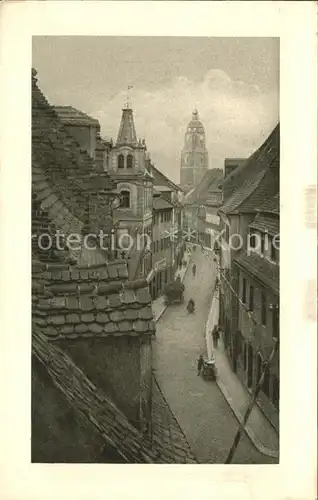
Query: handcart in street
{"type": "Point", "coordinates": [209, 369]}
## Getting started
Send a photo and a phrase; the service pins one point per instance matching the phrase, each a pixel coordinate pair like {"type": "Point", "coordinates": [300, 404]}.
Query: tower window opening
{"type": "Point", "coordinates": [125, 199]}
{"type": "Point", "coordinates": [130, 161]}
{"type": "Point", "coordinates": [121, 161]}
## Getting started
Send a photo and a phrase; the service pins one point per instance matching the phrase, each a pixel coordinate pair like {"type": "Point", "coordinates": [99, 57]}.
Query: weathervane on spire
{"type": "Point", "coordinates": [128, 102]}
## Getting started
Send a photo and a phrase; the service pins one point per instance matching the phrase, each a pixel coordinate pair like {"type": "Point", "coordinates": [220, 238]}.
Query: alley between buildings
{"type": "Point", "coordinates": [200, 407]}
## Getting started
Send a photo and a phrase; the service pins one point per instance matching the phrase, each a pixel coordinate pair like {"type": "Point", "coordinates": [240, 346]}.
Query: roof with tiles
{"type": "Point", "coordinates": [71, 302]}
{"type": "Point", "coordinates": [266, 223]}
{"type": "Point", "coordinates": [270, 206]}
{"type": "Point", "coordinates": [71, 116]}
{"type": "Point", "coordinates": [161, 204]}
{"type": "Point", "coordinates": [257, 179]}
{"type": "Point", "coordinates": [260, 268]}
{"type": "Point", "coordinates": [105, 417]}
{"type": "Point", "coordinates": [267, 217]}
{"type": "Point", "coordinates": [62, 173]}
{"type": "Point", "coordinates": [210, 180]}
{"type": "Point", "coordinates": [162, 180]}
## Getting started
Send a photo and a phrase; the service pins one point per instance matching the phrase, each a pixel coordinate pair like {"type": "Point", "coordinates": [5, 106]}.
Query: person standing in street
{"type": "Point", "coordinates": [215, 336]}
{"type": "Point", "coordinates": [200, 364]}
{"type": "Point", "coordinates": [194, 269]}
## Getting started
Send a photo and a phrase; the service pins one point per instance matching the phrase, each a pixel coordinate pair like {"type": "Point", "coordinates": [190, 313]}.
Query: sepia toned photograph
{"type": "Point", "coordinates": [155, 250]}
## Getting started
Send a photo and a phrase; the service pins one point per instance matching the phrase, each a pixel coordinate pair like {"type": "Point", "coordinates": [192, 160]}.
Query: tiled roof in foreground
{"type": "Point", "coordinates": [71, 302]}
{"type": "Point", "coordinates": [100, 413]}
{"type": "Point", "coordinates": [62, 173]}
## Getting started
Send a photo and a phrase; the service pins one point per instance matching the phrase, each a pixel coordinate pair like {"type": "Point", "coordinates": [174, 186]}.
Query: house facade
{"type": "Point", "coordinates": [258, 288]}
{"type": "Point", "coordinates": [249, 269]}
{"type": "Point", "coordinates": [201, 208]}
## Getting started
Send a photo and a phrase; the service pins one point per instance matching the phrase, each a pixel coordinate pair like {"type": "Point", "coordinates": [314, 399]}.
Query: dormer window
{"type": "Point", "coordinates": [130, 161]}
{"type": "Point", "coordinates": [274, 248]}
{"type": "Point", "coordinates": [262, 244]}
{"type": "Point", "coordinates": [125, 199]}
{"type": "Point", "coordinates": [252, 240]}
{"type": "Point", "coordinates": [121, 161]}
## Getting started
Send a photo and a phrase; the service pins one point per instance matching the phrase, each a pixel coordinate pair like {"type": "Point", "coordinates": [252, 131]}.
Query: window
{"type": "Point", "coordinates": [161, 217]}
{"type": "Point", "coordinates": [125, 199]}
{"type": "Point", "coordinates": [244, 356]}
{"type": "Point", "coordinates": [121, 161]}
{"type": "Point", "coordinates": [161, 244]}
{"type": "Point", "coordinates": [264, 309]}
{"type": "Point", "coordinates": [266, 383]}
{"type": "Point", "coordinates": [262, 244]}
{"type": "Point", "coordinates": [253, 241]}
{"type": "Point", "coordinates": [251, 298]}
{"type": "Point", "coordinates": [227, 233]}
{"type": "Point", "coordinates": [130, 161]}
{"type": "Point", "coordinates": [244, 291]}
{"type": "Point", "coordinates": [274, 248]}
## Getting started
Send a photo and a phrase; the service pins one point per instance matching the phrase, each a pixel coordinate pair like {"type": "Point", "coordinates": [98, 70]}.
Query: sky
{"type": "Point", "coordinates": [233, 82]}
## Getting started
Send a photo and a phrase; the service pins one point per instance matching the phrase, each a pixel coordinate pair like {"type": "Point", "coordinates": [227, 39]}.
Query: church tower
{"type": "Point", "coordinates": [129, 167]}
{"type": "Point", "coordinates": [194, 156]}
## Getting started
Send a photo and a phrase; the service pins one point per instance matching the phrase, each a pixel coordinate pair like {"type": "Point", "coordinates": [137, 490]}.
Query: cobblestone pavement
{"type": "Point", "coordinates": [201, 409]}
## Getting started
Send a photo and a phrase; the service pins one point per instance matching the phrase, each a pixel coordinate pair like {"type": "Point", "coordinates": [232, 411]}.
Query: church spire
{"type": "Point", "coordinates": [127, 131]}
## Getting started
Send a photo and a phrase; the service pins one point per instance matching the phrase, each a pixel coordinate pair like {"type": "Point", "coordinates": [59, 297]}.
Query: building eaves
{"type": "Point", "coordinates": [260, 269]}
{"type": "Point", "coordinates": [266, 223]}
{"type": "Point", "coordinates": [161, 204]}
{"type": "Point", "coordinates": [162, 180]}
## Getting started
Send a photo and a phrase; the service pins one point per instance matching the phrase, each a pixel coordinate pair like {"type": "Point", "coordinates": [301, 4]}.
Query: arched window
{"type": "Point", "coordinates": [130, 161]}
{"type": "Point", "coordinates": [125, 199]}
{"type": "Point", "coordinates": [121, 161]}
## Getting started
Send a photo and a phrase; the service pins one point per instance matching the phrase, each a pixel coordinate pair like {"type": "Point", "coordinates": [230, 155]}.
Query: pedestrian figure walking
{"type": "Point", "coordinates": [200, 364]}
{"type": "Point", "coordinates": [215, 336]}
{"type": "Point", "coordinates": [194, 268]}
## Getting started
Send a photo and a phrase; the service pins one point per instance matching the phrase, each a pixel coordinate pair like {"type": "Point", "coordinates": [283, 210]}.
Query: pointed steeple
{"type": "Point", "coordinates": [127, 131]}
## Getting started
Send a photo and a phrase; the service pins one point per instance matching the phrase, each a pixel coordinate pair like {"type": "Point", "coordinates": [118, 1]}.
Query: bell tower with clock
{"type": "Point", "coordinates": [194, 156]}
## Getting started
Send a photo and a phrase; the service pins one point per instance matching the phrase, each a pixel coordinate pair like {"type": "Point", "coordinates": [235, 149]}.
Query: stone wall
{"type": "Point", "coordinates": [114, 365]}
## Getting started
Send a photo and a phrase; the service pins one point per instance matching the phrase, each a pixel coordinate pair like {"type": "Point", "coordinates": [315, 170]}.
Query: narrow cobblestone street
{"type": "Point", "coordinates": [199, 405]}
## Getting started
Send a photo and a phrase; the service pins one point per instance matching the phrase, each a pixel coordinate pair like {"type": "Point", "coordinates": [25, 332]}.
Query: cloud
{"type": "Point", "coordinates": [237, 118]}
